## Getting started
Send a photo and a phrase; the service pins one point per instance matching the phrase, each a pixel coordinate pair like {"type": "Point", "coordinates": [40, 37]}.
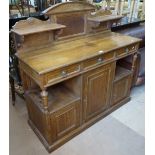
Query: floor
{"type": "Point", "coordinates": [120, 133]}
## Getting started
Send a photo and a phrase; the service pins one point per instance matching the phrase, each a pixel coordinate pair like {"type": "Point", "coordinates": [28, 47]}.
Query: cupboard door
{"type": "Point", "coordinates": [66, 119]}
{"type": "Point", "coordinates": [97, 90]}
{"type": "Point", "coordinates": [121, 89]}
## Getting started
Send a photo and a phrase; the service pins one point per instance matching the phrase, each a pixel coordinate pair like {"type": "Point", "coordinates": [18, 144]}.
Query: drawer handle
{"type": "Point", "coordinates": [64, 74]}
{"type": "Point", "coordinates": [100, 60]}
{"type": "Point", "coordinates": [126, 50]}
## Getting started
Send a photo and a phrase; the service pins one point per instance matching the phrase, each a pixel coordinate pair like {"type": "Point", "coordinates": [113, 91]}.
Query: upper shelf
{"type": "Point", "coordinates": [33, 25]}
{"type": "Point", "coordinates": [104, 18]}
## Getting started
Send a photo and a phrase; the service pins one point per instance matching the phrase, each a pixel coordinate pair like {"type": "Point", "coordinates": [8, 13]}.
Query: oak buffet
{"type": "Point", "coordinates": [72, 70]}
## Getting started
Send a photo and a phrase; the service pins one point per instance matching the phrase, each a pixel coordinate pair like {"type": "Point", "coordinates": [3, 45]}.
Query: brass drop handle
{"type": "Point", "coordinates": [100, 60]}
{"type": "Point", "coordinates": [126, 50]}
{"type": "Point", "coordinates": [64, 74]}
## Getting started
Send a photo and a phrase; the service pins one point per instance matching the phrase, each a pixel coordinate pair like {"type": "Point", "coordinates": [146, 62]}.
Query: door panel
{"type": "Point", "coordinates": [66, 120]}
{"type": "Point", "coordinates": [97, 90]}
{"type": "Point", "coordinates": [121, 89]}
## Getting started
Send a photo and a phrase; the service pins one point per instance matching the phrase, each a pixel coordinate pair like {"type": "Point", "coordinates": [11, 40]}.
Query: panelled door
{"type": "Point", "coordinates": [97, 90]}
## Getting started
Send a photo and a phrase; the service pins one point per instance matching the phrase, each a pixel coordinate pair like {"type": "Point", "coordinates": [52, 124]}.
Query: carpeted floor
{"type": "Point", "coordinates": [120, 133]}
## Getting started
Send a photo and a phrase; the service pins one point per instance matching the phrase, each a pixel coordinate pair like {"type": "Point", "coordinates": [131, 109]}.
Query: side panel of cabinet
{"type": "Point", "coordinates": [39, 120]}
{"type": "Point", "coordinates": [97, 90]}
{"type": "Point", "coordinates": [121, 89]}
{"type": "Point", "coordinates": [66, 119]}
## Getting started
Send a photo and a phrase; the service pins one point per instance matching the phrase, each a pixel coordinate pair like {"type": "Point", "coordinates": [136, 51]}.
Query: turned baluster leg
{"type": "Point", "coordinates": [44, 95]}
{"type": "Point", "coordinates": [134, 65]}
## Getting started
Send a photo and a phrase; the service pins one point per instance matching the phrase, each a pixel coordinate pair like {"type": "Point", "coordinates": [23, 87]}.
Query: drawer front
{"type": "Point", "coordinates": [126, 50]}
{"type": "Point", "coordinates": [62, 73]}
{"type": "Point", "coordinates": [98, 60]}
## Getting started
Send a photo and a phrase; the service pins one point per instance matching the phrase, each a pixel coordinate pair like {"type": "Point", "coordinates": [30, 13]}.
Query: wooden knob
{"type": "Point", "coordinates": [126, 50]}
{"type": "Point", "coordinates": [64, 74]}
{"type": "Point", "coordinates": [100, 60]}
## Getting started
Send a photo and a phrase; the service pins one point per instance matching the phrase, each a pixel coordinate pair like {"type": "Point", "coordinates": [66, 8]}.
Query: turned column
{"type": "Point", "coordinates": [44, 95]}
{"type": "Point", "coordinates": [133, 68]}
{"type": "Point", "coordinates": [134, 62]}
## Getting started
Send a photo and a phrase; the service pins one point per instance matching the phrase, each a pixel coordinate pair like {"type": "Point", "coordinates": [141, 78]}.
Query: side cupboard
{"type": "Point", "coordinates": [72, 69]}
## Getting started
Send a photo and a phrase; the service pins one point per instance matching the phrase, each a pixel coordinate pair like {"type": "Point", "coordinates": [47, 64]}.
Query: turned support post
{"type": "Point", "coordinates": [134, 62]}
{"type": "Point", "coordinates": [133, 68]}
{"type": "Point", "coordinates": [44, 96]}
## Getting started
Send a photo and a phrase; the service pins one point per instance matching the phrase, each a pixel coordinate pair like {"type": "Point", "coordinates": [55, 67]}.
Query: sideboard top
{"type": "Point", "coordinates": [69, 52]}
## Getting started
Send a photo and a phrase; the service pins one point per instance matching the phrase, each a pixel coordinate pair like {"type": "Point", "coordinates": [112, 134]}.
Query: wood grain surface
{"type": "Point", "coordinates": [69, 52]}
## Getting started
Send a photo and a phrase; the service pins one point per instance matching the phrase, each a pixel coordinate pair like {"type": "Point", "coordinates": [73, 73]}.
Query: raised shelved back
{"type": "Point", "coordinates": [66, 20]}
{"type": "Point", "coordinates": [73, 15]}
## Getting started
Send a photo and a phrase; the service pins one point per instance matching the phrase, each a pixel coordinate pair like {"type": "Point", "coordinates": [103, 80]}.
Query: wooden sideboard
{"type": "Point", "coordinates": [71, 69]}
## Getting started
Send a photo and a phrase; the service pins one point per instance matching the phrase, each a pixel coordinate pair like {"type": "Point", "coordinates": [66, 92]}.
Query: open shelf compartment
{"type": "Point", "coordinates": [122, 69]}
{"type": "Point", "coordinates": [59, 95]}
{"type": "Point", "coordinates": [121, 72]}
{"type": "Point", "coordinates": [122, 82]}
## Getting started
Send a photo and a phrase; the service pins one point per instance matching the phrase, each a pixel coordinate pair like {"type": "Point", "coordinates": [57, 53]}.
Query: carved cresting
{"type": "Point", "coordinates": [73, 15]}
{"type": "Point", "coordinates": [101, 13]}
{"type": "Point", "coordinates": [28, 23]}
{"type": "Point", "coordinates": [68, 7]}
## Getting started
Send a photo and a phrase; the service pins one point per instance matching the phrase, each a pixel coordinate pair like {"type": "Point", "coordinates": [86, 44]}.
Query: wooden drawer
{"type": "Point", "coordinates": [66, 119]}
{"type": "Point", "coordinates": [62, 73]}
{"type": "Point", "coordinates": [98, 60]}
{"type": "Point", "coordinates": [126, 50]}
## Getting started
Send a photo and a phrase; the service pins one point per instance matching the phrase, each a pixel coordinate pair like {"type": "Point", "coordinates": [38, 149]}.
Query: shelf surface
{"type": "Point", "coordinates": [38, 29]}
{"type": "Point", "coordinates": [121, 72]}
{"type": "Point", "coordinates": [58, 97]}
{"type": "Point", "coordinates": [104, 18]}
